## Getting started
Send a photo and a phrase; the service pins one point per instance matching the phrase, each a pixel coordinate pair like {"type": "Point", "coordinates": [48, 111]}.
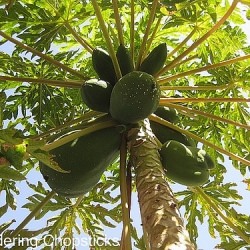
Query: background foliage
{"type": "Point", "coordinates": [66, 32]}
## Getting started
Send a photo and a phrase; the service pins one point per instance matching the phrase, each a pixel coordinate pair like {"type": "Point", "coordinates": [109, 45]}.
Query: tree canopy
{"type": "Point", "coordinates": [45, 56]}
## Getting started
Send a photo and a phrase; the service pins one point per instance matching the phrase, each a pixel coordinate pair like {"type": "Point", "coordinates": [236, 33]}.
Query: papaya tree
{"type": "Point", "coordinates": [103, 99]}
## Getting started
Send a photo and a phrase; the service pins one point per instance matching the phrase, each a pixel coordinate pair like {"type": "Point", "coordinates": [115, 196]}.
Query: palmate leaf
{"type": "Point", "coordinates": [9, 173]}
{"type": "Point", "coordinates": [223, 196]}
{"type": "Point", "coordinates": [56, 204]}
{"type": "Point", "coordinates": [231, 244]}
{"type": "Point", "coordinates": [11, 191]}
{"type": "Point", "coordinates": [3, 210]}
{"type": "Point", "coordinates": [5, 225]}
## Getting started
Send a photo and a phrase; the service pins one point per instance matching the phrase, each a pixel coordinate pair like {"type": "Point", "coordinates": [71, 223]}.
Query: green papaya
{"type": "Point", "coordinates": [103, 66]}
{"type": "Point", "coordinates": [124, 60]}
{"type": "Point", "coordinates": [209, 161]}
{"type": "Point", "coordinates": [86, 158]}
{"type": "Point", "coordinates": [134, 97]}
{"type": "Point", "coordinates": [96, 94]}
{"type": "Point", "coordinates": [168, 114]}
{"type": "Point", "coordinates": [183, 164]}
{"type": "Point", "coordinates": [164, 134]}
{"type": "Point", "coordinates": [155, 60]}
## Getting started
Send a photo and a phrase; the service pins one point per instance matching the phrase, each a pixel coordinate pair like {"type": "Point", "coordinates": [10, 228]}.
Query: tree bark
{"type": "Point", "coordinates": [161, 220]}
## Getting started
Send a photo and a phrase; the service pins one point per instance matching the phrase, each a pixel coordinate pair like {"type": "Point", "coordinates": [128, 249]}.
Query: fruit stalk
{"type": "Point", "coordinates": [161, 218]}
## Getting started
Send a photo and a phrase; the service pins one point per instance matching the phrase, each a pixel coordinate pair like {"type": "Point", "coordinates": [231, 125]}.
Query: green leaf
{"type": "Point", "coordinates": [9, 173]}
{"type": "Point", "coordinates": [12, 136]}
{"type": "Point", "coordinates": [67, 31]}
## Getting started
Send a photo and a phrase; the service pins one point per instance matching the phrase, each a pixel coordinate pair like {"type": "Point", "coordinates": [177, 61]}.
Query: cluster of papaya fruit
{"type": "Point", "coordinates": [183, 161]}
{"type": "Point", "coordinates": [135, 95]}
{"type": "Point", "coordinates": [127, 100]}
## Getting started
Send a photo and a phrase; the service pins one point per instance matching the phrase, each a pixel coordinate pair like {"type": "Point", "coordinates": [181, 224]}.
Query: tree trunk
{"type": "Point", "coordinates": [161, 220]}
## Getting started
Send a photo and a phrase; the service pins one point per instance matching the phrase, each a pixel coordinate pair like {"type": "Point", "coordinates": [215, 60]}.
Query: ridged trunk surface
{"type": "Point", "coordinates": [161, 218]}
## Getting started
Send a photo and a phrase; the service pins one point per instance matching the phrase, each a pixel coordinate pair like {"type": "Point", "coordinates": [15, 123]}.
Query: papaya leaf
{"type": "Point", "coordinates": [15, 154]}
{"type": "Point", "coordinates": [232, 244]}
{"type": "Point", "coordinates": [3, 210]}
{"type": "Point", "coordinates": [9, 173]}
{"type": "Point", "coordinates": [139, 241]}
{"type": "Point", "coordinates": [55, 204]}
{"type": "Point", "coordinates": [11, 135]}
{"type": "Point", "coordinates": [192, 213]}
{"type": "Point", "coordinates": [5, 225]}
{"type": "Point", "coordinates": [34, 150]}
{"type": "Point", "coordinates": [60, 29]}
{"type": "Point", "coordinates": [247, 181]}
{"type": "Point", "coordinates": [11, 192]}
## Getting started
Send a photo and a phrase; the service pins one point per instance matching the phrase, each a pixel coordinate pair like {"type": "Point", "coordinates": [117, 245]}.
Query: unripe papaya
{"type": "Point", "coordinates": [86, 158]}
{"type": "Point", "coordinates": [164, 134]}
{"type": "Point", "coordinates": [124, 60]}
{"type": "Point", "coordinates": [103, 65]}
{"type": "Point", "coordinates": [134, 97]}
{"type": "Point", "coordinates": [168, 114]}
{"type": "Point", "coordinates": [155, 60]}
{"type": "Point", "coordinates": [96, 94]}
{"type": "Point", "coordinates": [183, 164]}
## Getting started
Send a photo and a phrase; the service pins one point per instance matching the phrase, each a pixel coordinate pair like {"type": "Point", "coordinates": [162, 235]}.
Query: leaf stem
{"type": "Point", "coordinates": [205, 68]}
{"type": "Point", "coordinates": [197, 138]}
{"type": "Point", "coordinates": [32, 214]}
{"type": "Point", "coordinates": [126, 232]}
{"type": "Point", "coordinates": [107, 38]}
{"type": "Point", "coordinates": [164, 101]}
{"type": "Point", "coordinates": [152, 36]}
{"type": "Point", "coordinates": [78, 201]}
{"type": "Point", "coordinates": [194, 88]}
{"type": "Point", "coordinates": [205, 114]}
{"type": "Point", "coordinates": [227, 219]}
{"type": "Point", "coordinates": [200, 40]}
{"type": "Point", "coordinates": [57, 83]}
{"type": "Point", "coordinates": [132, 30]}
{"type": "Point", "coordinates": [73, 136]}
{"type": "Point", "coordinates": [86, 116]}
{"type": "Point", "coordinates": [40, 54]}
{"type": "Point", "coordinates": [146, 34]}
{"type": "Point", "coordinates": [79, 39]}
{"type": "Point", "coordinates": [118, 22]}
{"type": "Point", "coordinates": [180, 45]}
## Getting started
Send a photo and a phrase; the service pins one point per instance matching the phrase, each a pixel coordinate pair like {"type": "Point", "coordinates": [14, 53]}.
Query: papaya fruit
{"type": "Point", "coordinates": [155, 60]}
{"type": "Point", "coordinates": [168, 114]}
{"type": "Point", "coordinates": [209, 161]}
{"type": "Point", "coordinates": [86, 158]}
{"type": "Point", "coordinates": [103, 66]}
{"type": "Point", "coordinates": [96, 94]}
{"type": "Point", "coordinates": [124, 60]}
{"type": "Point", "coordinates": [183, 164]}
{"type": "Point", "coordinates": [164, 134]}
{"type": "Point", "coordinates": [134, 97]}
